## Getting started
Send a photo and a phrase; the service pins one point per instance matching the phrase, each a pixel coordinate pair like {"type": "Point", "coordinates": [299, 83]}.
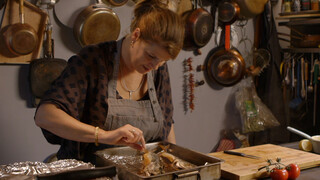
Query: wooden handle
{"type": "Point", "coordinates": [21, 11]}
{"type": "Point", "coordinates": [306, 74]}
{"type": "Point", "coordinates": [303, 92]}
{"type": "Point", "coordinates": [49, 41]}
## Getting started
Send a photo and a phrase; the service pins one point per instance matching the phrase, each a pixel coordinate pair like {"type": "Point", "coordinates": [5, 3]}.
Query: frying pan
{"type": "Point", "coordinates": [96, 23]}
{"type": "Point", "coordinates": [225, 67]}
{"type": "Point", "coordinates": [199, 26]}
{"type": "Point", "coordinates": [250, 8]}
{"type": "Point", "coordinates": [21, 38]}
{"type": "Point", "coordinates": [45, 70]}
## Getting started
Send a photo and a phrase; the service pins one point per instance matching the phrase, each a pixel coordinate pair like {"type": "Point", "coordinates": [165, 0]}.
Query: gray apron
{"type": "Point", "coordinates": [145, 114]}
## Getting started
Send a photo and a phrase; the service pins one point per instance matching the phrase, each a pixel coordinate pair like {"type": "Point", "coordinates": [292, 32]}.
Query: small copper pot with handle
{"type": "Point", "coordinates": [21, 38]}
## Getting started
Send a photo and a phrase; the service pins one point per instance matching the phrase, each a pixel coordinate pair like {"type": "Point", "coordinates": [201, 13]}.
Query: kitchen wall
{"type": "Point", "coordinates": [21, 140]}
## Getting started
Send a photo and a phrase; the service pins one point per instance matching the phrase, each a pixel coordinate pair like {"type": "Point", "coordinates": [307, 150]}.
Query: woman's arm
{"type": "Point", "coordinates": [172, 136]}
{"type": "Point", "coordinates": [55, 120]}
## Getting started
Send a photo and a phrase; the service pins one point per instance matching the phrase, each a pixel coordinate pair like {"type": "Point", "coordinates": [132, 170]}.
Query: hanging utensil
{"type": "Point", "coordinates": [45, 70]}
{"type": "Point", "coordinates": [303, 91]}
{"type": "Point", "coordinates": [199, 26]}
{"type": "Point", "coordinates": [228, 12]}
{"type": "Point", "coordinates": [287, 77]}
{"type": "Point", "coordinates": [310, 87]}
{"type": "Point", "coordinates": [21, 38]}
{"type": "Point", "coordinates": [48, 3]}
{"type": "Point", "coordinates": [293, 79]}
{"type": "Point", "coordinates": [297, 100]}
{"type": "Point", "coordinates": [315, 81]}
{"type": "Point", "coordinates": [96, 23]}
{"type": "Point", "coordinates": [306, 78]}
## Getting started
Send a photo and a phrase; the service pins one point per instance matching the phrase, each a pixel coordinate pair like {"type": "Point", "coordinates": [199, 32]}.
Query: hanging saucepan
{"type": "Point", "coordinates": [199, 26]}
{"type": "Point", "coordinates": [226, 66]}
{"type": "Point", "coordinates": [250, 8]}
{"type": "Point", "coordinates": [115, 2]}
{"type": "Point", "coordinates": [45, 70]}
{"type": "Point", "coordinates": [228, 12]}
{"type": "Point", "coordinates": [21, 38]}
{"type": "Point", "coordinates": [96, 23]}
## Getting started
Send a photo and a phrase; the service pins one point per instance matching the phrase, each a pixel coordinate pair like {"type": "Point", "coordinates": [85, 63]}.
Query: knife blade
{"type": "Point", "coordinates": [241, 154]}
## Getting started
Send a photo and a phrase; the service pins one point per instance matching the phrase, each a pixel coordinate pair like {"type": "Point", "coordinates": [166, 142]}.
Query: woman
{"type": "Point", "coordinates": [116, 93]}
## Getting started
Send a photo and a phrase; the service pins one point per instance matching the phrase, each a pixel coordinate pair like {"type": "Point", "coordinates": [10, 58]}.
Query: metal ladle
{"type": "Point", "coordinates": [310, 87]}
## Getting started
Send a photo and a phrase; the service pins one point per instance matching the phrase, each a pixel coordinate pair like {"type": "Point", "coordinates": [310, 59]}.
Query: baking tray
{"type": "Point", "coordinates": [206, 167]}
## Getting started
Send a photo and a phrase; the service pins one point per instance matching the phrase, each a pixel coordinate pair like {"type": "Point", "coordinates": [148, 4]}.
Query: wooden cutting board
{"type": "Point", "coordinates": [237, 167]}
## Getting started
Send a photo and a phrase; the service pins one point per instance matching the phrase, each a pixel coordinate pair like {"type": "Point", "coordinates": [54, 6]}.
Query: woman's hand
{"type": "Point", "coordinates": [125, 135]}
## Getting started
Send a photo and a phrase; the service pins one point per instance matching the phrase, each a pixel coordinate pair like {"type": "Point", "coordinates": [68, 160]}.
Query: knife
{"type": "Point", "coordinates": [241, 154]}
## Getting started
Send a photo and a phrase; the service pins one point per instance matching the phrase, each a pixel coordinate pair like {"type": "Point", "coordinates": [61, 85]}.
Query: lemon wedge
{"type": "Point", "coordinates": [305, 145]}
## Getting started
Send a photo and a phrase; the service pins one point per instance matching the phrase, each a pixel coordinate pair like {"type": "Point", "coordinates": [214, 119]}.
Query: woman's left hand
{"type": "Point", "coordinates": [125, 135]}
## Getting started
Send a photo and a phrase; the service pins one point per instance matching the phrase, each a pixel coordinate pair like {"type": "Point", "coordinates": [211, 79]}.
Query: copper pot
{"type": "Point", "coordinates": [21, 38]}
{"type": "Point", "coordinates": [96, 23]}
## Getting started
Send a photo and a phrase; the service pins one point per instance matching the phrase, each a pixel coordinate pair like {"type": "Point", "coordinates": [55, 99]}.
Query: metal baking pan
{"type": "Point", "coordinates": [82, 174]}
{"type": "Point", "coordinates": [206, 167]}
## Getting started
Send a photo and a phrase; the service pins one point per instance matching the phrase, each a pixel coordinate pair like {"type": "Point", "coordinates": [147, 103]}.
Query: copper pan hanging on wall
{"type": "Point", "coordinates": [96, 23]}
{"type": "Point", "coordinates": [21, 38]}
{"type": "Point", "coordinates": [250, 8]}
{"type": "Point", "coordinates": [199, 26]}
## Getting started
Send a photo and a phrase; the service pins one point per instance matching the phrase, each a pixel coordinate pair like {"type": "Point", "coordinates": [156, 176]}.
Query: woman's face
{"type": "Point", "coordinates": [148, 56]}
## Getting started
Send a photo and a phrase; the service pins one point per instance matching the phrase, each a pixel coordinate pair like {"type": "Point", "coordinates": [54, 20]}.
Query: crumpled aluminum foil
{"type": "Point", "coordinates": [36, 168]}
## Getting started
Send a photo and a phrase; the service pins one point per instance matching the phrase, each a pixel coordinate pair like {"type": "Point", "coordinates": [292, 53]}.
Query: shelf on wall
{"type": "Point", "coordinates": [300, 14]}
{"type": "Point", "coordinates": [312, 21]}
{"type": "Point", "coordinates": [301, 50]}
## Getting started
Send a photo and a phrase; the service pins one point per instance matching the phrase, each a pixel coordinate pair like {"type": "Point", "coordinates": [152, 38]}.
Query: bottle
{"type": "Point", "coordinates": [296, 7]}
{"type": "Point", "coordinates": [305, 5]}
{"type": "Point", "coordinates": [315, 5]}
{"type": "Point", "coordinates": [287, 6]}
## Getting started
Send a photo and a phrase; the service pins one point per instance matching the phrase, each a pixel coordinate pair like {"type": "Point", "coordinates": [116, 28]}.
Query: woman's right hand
{"type": "Point", "coordinates": [125, 135]}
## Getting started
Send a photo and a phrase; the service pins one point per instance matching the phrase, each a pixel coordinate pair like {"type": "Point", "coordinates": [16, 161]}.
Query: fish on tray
{"type": "Point", "coordinates": [162, 162]}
